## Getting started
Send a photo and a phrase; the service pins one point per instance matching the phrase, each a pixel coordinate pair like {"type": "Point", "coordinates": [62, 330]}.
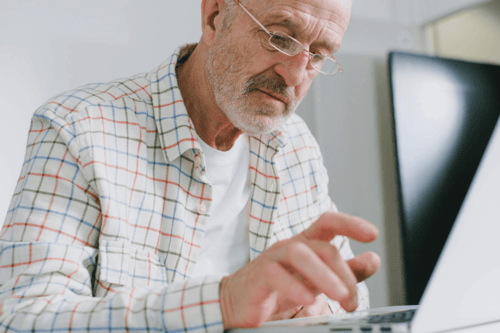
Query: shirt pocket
{"type": "Point", "coordinates": [122, 265]}
{"type": "Point", "coordinates": [113, 263]}
{"type": "Point", "coordinates": [146, 269]}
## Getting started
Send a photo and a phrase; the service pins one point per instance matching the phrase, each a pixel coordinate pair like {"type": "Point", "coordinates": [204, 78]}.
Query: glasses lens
{"type": "Point", "coordinates": [325, 65]}
{"type": "Point", "coordinates": [285, 43]}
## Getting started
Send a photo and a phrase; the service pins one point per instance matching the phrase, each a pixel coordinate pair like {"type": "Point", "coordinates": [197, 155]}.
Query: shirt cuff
{"type": "Point", "coordinates": [199, 309]}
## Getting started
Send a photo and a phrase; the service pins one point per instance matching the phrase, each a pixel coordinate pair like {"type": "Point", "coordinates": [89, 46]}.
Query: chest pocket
{"type": "Point", "coordinates": [120, 265]}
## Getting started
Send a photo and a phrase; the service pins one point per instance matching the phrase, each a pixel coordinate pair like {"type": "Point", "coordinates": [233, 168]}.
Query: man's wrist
{"type": "Point", "coordinates": [225, 304]}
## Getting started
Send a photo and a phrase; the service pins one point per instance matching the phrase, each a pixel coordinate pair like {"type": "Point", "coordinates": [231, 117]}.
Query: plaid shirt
{"type": "Point", "coordinates": [106, 222]}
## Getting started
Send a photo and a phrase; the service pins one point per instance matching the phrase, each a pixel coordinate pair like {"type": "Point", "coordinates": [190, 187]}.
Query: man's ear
{"type": "Point", "coordinates": [211, 19]}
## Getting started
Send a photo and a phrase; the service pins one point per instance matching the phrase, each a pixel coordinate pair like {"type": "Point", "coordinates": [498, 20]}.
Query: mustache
{"type": "Point", "coordinates": [276, 86]}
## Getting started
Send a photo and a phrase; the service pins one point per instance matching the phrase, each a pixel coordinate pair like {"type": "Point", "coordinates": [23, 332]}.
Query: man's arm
{"type": "Point", "coordinates": [52, 265]}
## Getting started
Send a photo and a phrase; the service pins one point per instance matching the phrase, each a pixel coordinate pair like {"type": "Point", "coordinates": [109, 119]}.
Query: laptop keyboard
{"type": "Point", "coordinates": [393, 317]}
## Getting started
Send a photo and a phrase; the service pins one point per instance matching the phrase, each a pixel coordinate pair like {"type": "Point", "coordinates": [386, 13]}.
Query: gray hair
{"type": "Point", "coordinates": [231, 12]}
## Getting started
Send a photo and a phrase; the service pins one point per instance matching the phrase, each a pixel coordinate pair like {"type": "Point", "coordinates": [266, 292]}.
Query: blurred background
{"type": "Point", "coordinates": [52, 46]}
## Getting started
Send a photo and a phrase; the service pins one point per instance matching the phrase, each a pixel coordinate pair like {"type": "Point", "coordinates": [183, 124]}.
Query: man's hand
{"type": "Point", "coordinates": [287, 278]}
{"type": "Point", "coordinates": [320, 307]}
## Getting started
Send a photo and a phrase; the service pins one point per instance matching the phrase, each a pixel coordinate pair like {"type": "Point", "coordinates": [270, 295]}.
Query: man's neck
{"type": "Point", "coordinates": [210, 122]}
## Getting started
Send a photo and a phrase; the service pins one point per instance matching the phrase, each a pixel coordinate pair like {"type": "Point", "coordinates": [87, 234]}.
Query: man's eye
{"type": "Point", "coordinates": [319, 53]}
{"type": "Point", "coordinates": [281, 42]}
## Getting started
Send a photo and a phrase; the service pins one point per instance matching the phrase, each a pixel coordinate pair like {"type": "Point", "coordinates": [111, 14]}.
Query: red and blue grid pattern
{"type": "Point", "coordinates": [106, 222]}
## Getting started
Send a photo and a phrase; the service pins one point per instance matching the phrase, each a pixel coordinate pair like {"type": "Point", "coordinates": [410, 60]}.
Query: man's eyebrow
{"type": "Point", "coordinates": [327, 46]}
{"type": "Point", "coordinates": [280, 19]}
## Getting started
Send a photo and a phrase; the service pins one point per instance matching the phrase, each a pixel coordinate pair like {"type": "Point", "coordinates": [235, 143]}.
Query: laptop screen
{"type": "Point", "coordinates": [464, 289]}
{"type": "Point", "coordinates": [444, 113]}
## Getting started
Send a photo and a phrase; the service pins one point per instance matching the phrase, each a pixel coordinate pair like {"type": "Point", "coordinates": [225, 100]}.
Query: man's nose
{"type": "Point", "coordinates": [294, 70]}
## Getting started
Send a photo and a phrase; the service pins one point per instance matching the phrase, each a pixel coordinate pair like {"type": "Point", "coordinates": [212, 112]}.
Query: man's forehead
{"type": "Point", "coordinates": [335, 11]}
{"type": "Point", "coordinates": [333, 15]}
{"type": "Point", "coordinates": [318, 7]}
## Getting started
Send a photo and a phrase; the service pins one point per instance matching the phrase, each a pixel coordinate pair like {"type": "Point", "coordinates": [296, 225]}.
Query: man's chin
{"type": "Point", "coordinates": [262, 124]}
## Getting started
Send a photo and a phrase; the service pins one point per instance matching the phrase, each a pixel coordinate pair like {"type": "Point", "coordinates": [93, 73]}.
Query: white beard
{"type": "Point", "coordinates": [223, 72]}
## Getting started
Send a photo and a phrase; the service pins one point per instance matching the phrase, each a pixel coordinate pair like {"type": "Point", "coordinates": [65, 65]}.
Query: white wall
{"type": "Point", "coordinates": [472, 35]}
{"type": "Point", "coordinates": [408, 12]}
{"type": "Point", "coordinates": [47, 47]}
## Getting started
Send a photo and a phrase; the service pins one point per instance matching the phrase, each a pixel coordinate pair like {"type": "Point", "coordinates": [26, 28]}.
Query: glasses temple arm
{"type": "Point", "coordinates": [253, 18]}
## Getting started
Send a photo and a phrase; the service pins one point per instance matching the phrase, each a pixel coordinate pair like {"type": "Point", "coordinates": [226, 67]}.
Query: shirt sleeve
{"type": "Point", "coordinates": [52, 275]}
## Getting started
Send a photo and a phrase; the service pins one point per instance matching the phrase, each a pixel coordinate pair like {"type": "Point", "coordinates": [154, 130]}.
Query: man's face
{"type": "Point", "coordinates": [256, 86]}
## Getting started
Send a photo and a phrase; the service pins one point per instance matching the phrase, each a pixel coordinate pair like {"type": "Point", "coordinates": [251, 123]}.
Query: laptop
{"type": "Point", "coordinates": [463, 294]}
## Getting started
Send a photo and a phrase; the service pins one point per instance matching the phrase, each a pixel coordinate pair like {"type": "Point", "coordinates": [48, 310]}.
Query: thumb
{"type": "Point", "coordinates": [364, 265]}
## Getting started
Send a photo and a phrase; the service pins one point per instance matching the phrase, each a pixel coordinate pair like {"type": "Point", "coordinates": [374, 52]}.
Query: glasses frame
{"type": "Point", "coordinates": [310, 54]}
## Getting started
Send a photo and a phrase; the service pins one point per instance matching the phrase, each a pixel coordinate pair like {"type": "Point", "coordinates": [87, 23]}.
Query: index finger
{"type": "Point", "coordinates": [331, 224]}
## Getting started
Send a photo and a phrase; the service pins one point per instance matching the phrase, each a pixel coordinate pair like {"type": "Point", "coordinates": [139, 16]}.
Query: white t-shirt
{"type": "Point", "coordinates": [226, 245]}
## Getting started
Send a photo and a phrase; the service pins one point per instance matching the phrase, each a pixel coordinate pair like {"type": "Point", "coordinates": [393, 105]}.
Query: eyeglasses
{"type": "Point", "coordinates": [291, 47]}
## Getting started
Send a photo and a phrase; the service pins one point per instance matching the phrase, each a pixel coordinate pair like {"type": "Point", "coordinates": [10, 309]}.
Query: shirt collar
{"type": "Point", "coordinates": [175, 128]}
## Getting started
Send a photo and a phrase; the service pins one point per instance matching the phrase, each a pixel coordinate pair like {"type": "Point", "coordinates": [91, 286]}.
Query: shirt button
{"type": "Point", "coordinates": [201, 209]}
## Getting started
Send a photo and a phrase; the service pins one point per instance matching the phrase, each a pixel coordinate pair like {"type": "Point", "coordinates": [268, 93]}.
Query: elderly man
{"type": "Point", "coordinates": [190, 198]}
